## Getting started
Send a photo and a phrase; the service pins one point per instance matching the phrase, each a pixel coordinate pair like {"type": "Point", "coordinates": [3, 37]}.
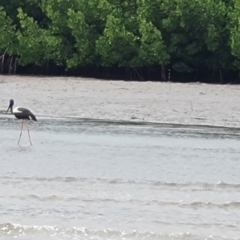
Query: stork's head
{"type": "Point", "coordinates": [11, 102]}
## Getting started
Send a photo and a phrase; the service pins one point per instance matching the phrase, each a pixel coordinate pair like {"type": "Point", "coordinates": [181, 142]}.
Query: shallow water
{"type": "Point", "coordinates": [105, 180]}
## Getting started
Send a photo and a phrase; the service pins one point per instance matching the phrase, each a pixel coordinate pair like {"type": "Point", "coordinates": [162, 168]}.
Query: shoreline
{"type": "Point", "coordinates": [196, 104]}
{"type": "Point", "coordinates": [121, 122]}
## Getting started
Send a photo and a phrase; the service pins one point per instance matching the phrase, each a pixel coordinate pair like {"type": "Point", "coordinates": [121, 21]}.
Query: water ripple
{"type": "Point", "coordinates": [197, 186]}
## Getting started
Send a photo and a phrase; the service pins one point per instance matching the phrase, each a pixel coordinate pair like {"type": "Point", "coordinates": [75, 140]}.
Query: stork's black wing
{"type": "Point", "coordinates": [25, 113]}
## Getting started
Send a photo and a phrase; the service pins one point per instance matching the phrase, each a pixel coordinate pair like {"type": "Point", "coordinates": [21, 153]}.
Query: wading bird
{"type": "Point", "coordinates": [22, 114]}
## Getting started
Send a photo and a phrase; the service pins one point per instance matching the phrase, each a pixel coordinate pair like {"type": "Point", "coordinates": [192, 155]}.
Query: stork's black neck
{"type": "Point", "coordinates": [11, 103]}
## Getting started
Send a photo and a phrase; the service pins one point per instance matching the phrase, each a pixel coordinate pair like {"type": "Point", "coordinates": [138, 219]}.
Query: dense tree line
{"type": "Point", "coordinates": [134, 39]}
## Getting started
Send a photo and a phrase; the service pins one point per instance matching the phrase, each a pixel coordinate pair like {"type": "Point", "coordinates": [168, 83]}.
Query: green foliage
{"type": "Point", "coordinates": [82, 32]}
{"type": "Point", "coordinates": [234, 27]}
{"type": "Point", "coordinates": [117, 45]}
{"type": "Point", "coordinates": [35, 45]}
{"type": "Point", "coordinates": [152, 49]}
{"type": "Point", "coordinates": [86, 25]}
{"type": "Point", "coordinates": [181, 34]}
{"type": "Point", "coordinates": [7, 33]}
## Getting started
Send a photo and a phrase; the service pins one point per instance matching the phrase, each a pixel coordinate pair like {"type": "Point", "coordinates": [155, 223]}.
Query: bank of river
{"type": "Point", "coordinates": [200, 104]}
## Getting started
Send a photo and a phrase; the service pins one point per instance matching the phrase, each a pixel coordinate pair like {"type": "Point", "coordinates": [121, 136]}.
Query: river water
{"type": "Point", "coordinates": [87, 179]}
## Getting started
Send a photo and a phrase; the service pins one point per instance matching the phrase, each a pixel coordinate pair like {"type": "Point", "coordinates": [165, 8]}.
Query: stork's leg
{"type": "Point", "coordinates": [29, 134]}
{"type": "Point", "coordinates": [20, 133]}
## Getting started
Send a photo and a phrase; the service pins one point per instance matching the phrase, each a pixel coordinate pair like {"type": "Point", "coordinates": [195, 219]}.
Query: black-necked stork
{"type": "Point", "coordinates": [23, 114]}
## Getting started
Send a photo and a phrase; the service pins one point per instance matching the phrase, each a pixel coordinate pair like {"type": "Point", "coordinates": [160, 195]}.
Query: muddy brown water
{"type": "Point", "coordinates": [87, 179]}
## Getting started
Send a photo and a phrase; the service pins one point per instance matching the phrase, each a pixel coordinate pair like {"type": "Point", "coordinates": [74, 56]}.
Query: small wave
{"type": "Point", "coordinates": [193, 186]}
{"type": "Point", "coordinates": [36, 197]}
{"type": "Point", "coordinates": [212, 205]}
{"type": "Point", "coordinates": [79, 233]}
{"type": "Point", "coordinates": [195, 205]}
{"type": "Point", "coordinates": [191, 205]}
